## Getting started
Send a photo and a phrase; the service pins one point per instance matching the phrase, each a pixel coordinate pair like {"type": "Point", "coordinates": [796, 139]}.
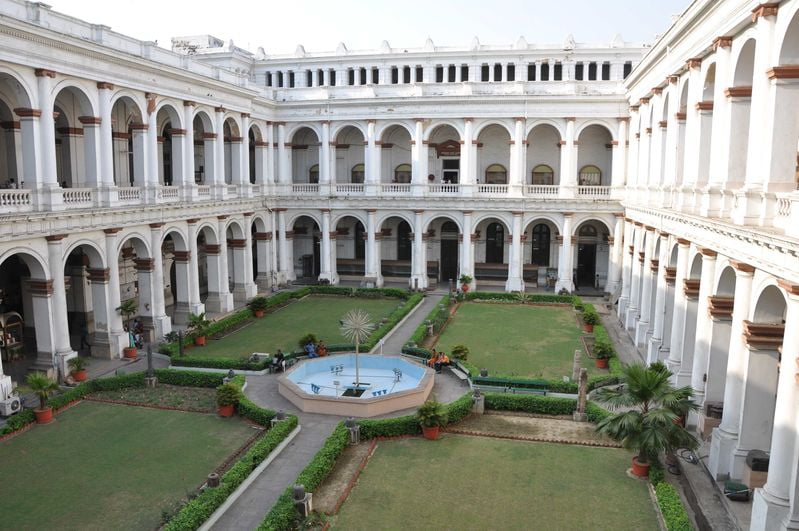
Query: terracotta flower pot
{"type": "Point", "coordinates": [431, 432]}
{"type": "Point", "coordinates": [601, 363]}
{"type": "Point", "coordinates": [640, 469]}
{"type": "Point", "coordinates": [588, 328]}
{"type": "Point", "coordinates": [199, 341]}
{"type": "Point", "coordinates": [81, 375]}
{"type": "Point", "coordinates": [226, 411]}
{"type": "Point", "coordinates": [130, 353]}
{"type": "Point", "coordinates": [465, 288]}
{"type": "Point", "coordinates": [43, 416]}
{"type": "Point", "coordinates": [259, 313]}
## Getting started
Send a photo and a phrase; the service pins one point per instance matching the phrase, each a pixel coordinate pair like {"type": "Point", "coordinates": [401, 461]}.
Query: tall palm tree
{"type": "Point", "coordinates": [357, 326]}
{"type": "Point", "coordinates": [648, 406]}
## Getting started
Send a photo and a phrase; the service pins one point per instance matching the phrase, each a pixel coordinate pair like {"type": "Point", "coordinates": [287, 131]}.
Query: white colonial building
{"type": "Point", "coordinates": [190, 180]}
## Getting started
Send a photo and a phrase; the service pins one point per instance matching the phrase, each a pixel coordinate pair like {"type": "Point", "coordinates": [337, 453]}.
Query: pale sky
{"type": "Point", "coordinates": [362, 24]}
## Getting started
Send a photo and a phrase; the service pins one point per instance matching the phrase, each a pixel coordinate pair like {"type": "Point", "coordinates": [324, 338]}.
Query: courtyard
{"type": "Point", "coordinates": [110, 466]}
{"type": "Point", "coordinates": [465, 482]}
{"type": "Point", "coordinates": [516, 340]}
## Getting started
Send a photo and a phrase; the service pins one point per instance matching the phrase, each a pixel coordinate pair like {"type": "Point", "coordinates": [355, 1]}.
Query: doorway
{"type": "Point", "coordinates": [586, 265]}
{"type": "Point", "coordinates": [449, 252]}
{"type": "Point", "coordinates": [450, 170]}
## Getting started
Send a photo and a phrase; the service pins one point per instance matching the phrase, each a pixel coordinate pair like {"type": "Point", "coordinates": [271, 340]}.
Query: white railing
{"type": "Point", "coordinates": [348, 188]}
{"type": "Point", "coordinates": [232, 190]}
{"type": "Point", "coordinates": [257, 189]}
{"type": "Point", "coordinates": [783, 207]}
{"type": "Point", "coordinates": [203, 190]}
{"type": "Point", "coordinates": [541, 190]}
{"type": "Point", "coordinates": [305, 188]}
{"type": "Point", "coordinates": [78, 196]}
{"type": "Point", "coordinates": [442, 188]}
{"type": "Point", "coordinates": [492, 189]}
{"type": "Point", "coordinates": [168, 193]}
{"type": "Point", "coordinates": [593, 191]}
{"type": "Point", "coordinates": [130, 194]}
{"type": "Point", "coordinates": [395, 188]}
{"type": "Point", "coordinates": [15, 198]}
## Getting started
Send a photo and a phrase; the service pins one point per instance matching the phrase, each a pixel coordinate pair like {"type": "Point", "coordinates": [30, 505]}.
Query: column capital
{"type": "Point", "coordinates": [672, 80]}
{"type": "Point", "coordinates": [245, 115]}
{"type": "Point", "coordinates": [211, 249]}
{"type": "Point", "coordinates": [324, 210]}
{"type": "Point", "coordinates": [40, 288]}
{"type": "Point", "coordinates": [263, 236]}
{"type": "Point", "coordinates": [90, 120]}
{"type": "Point", "coordinates": [192, 221]}
{"type": "Point", "coordinates": [371, 210]}
{"type": "Point", "coordinates": [182, 256]}
{"type": "Point", "coordinates": [98, 275]}
{"type": "Point", "coordinates": [279, 210]}
{"type": "Point", "coordinates": [618, 214]}
{"type": "Point", "coordinates": [649, 228]}
{"type": "Point", "coordinates": [222, 216]}
{"type": "Point", "coordinates": [693, 62]}
{"type": "Point", "coordinates": [468, 212]}
{"type": "Point", "coordinates": [722, 42]}
{"type": "Point", "coordinates": [55, 237]}
{"type": "Point", "coordinates": [790, 287]}
{"type": "Point", "coordinates": [112, 230]}
{"type": "Point", "coordinates": [623, 118]}
{"type": "Point", "coordinates": [420, 212]}
{"type": "Point", "coordinates": [104, 85]}
{"type": "Point", "coordinates": [219, 109]}
{"type": "Point", "coordinates": [567, 214]}
{"type": "Point", "coordinates": [143, 264]}
{"type": "Point", "coordinates": [248, 214]}
{"type": "Point", "coordinates": [156, 225]}
{"type": "Point", "coordinates": [234, 243]}
{"type": "Point", "coordinates": [765, 10]}
{"type": "Point", "coordinates": [708, 253]}
{"type": "Point", "coordinates": [657, 91]}
{"type": "Point", "coordinates": [663, 234]}
{"type": "Point", "coordinates": [519, 213]}
{"type": "Point", "coordinates": [333, 234]}
{"type": "Point", "coordinates": [683, 241]}
{"type": "Point", "coordinates": [27, 112]}
{"type": "Point", "coordinates": [742, 267]}
{"type": "Point", "coordinates": [189, 103]}
{"type": "Point", "coordinates": [43, 72]}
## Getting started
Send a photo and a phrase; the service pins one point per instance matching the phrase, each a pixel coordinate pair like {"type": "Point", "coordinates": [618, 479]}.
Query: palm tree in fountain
{"type": "Point", "coordinates": [357, 326]}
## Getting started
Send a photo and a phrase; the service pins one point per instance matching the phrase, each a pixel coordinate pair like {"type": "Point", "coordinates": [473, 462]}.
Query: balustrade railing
{"type": "Point", "coordinates": [130, 194]}
{"type": "Point", "coordinates": [443, 188]}
{"type": "Point", "coordinates": [232, 190]}
{"type": "Point", "coordinates": [541, 190]}
{"type": "Point", "coordinates": [594, 191]}
{"type": "Point", "coordinates": [395, 188]}
{"type": "Point", "coordinates": [13, 199]}
{"type": "Point", "coordinates": [204, 190]}
{"type": "Point", "coordinates": [168, 193]}
{"type": "Point", "coordinates": [348, 188]}
{"type": "Point", "coordinates": [783, 207]}
{"type": "Point", "coordinates": [305, 188]}
{"type": "Point", "coordinates": [492, 189]}
{"type": "Point", "coordinates": [79, 197]}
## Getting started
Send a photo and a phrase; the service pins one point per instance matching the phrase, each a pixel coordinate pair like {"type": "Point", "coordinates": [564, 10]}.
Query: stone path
{"type": "Point", "coordinates": [249, 510]}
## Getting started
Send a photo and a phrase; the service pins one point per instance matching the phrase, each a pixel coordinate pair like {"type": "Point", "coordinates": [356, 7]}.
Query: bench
{"type": "Point", "coordinates": [459, 373]}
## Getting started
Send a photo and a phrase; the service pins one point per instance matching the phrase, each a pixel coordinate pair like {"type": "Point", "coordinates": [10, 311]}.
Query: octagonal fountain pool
{"type": "Point", "coordinates": [327, 385]}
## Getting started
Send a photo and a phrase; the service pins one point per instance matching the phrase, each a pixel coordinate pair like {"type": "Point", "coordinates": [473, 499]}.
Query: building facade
{"type": "Point", "coordinates": [190, 180]}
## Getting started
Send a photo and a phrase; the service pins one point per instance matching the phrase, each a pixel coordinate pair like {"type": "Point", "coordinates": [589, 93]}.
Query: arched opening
{"type": "Point", "coordinates": [232, 139]}
{"type": "Point", "coordinates": [77, 165]}
{"type": "Point", "coordinates": [705, 110]}
{"type": "Point", "coordinates": [212, 272]}
{"type": "Point", "coordinates": [493, 154]}
{"type": "Point", "coordinates": [12, 151]}
{"type": "Point", "coordinates": [495, 244]}
{"type": "Point", "coordinates": [740, 109]}
{"type": "Point", "coordinates": [175, 257]}
{"type": "Point", "coordinates": [306, 246]}
{"type": "Point", "coordinates": [491, 252]}
{"type": "Point", "coordinates": [595, 156]}
{"type": "Point", "coordinates": [396, 250]}
{"type": "Point", "coordinates": [254, 138]}
{"type": "Point", "coordinates": [25, 321]}
{"type": "Point", "coordinates": [169, 146]}
{"type": "Point", "coordinates": [721, 305]}
{"type": "Point", "coordinates": [444, 155]}
{"type": "Point", "coordinates": [350, 158]}
{"type": "Point", "coordinates": [128, 139]}
{"type": "Point", "coordinates": [239, 264]}
{"type": "Point", "coordinates": [540, 256]}
{"type": "Point", "coordinates": [395, 152]}
{"type": "Point", "coordinates": [591, 247]}
{"type": "Point", "coordinates": [658, 148]}
{"type": "Point", "coordinates": [443, 259]}
{"type": "Point", "coordinates": [305, 156]}
{"type": "Point", "coordinates": [136, 283]}
{"type": "Point", "coordinates": [680, 119]}
{"type": "Point", "coordinates": [262, 259]}
{"type": "Point", "coordinates": [350, 249]}
{"type": "Point", "coordinates": [543, 156]}
{"type": "Point", "coordinates": [204, 139]}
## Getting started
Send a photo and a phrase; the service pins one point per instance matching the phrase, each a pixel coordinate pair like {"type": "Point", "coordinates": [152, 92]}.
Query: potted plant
{"type": "Point", "coordinates": [590, 318]}
{"type": "Point", "coordinates": [77, 366]}
{"type": "Point", "coordinates": [44, 387]}
{"type": "Point", "coordinates": [227, 396]}
{"type": "Point", "coordinates": [602, 352]}
{"type": "Point", "coordinates": [431, 416]}
{"type": "Point", "coordinates": [128, 309]}
{"type": "Point", "coordinates": [460, 352]}
{"type": "Point", "coordinates": [646, 422]}
{"type": "Point", "coordinates": [258, 305]}
{"type": "Point", "coordinates": [465, 280]}
{"type": "Point", "coordinates": [198, 325]}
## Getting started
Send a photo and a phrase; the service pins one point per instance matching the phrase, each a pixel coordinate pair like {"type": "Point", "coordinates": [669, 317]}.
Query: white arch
{"type": "Point", "coordinates": [171, 110]}
{"type": "Point", "coordinates": [534, 219]}
{"type": "Point", "coordinates": [381, 128]}
{"type": "Point", "coordinates": [238, 231]}
{"type": "Point", "coordinates": [85, 96]}
{"type": "Point", "coordinates": [340, 126]}
{"type": "Point", "coordinates": [759, 288]}
{"type": "Point", "coordinates": [205, 119]}
{"type": "Point", "coordinates": [336, 219]}
{"type": "Point", "coordinates": [507, 125]}
{"type": "Point", "coordinates": [438, 123]}
{"type": "Point", "coordinates": [31, 258]}
{"type": "Point", "coordinates": [183, 244]}
{"type": "Point", "coordinates": [600, 122]}
{"type": "Point", "coordinates": [143, 242]}
{"type": "Point", "coordinates": [436, 215]}
{"type": "Point", "coordinates": [24, 86]}
{"type": "Point", "coordinates": [291, 130]}
{"type": "Point", "coordinates": [507, 221]}
{"type": "Point", "coordinates": [292, 219]}
{"type": "Point", "coordinates": [402, 215]}
{"type": "Point", "coordinates": [600, 218]}
{"type": "Point", "coordinates": [138, 101]}
{"type": "Point", "coordinates": [235, 119]}
{"type": "Point", "coordinates": [212, 229]}
{"type": "Point", "coordinates": [558, 126]}
{"type": "Point", "coordinates": [100, 252]}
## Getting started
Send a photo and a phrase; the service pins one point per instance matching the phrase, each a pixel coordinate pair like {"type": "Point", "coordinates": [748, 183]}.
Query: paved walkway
{"type": "Point", "coordinates": [249, 510]}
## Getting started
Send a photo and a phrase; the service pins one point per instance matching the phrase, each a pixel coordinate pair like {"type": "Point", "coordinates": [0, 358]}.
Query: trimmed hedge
{"type": "Point", "coordinates": [595, 412]}
{"type": "Point", "coordinates": [544, 405]}
{"type": "Point", "coordinates": [513, 297]}
{"type": "Point", "coordinates": [672, 508]}
{"type": "Point", "coordinates": [437, 316]}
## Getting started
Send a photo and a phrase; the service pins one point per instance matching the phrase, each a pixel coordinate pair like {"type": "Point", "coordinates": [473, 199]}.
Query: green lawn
{"type": "Point", "coordinates": [106, 466]}
{"type": "Point", "coordinates": [315, 314]}
{"type": "Point", "coordinates": [515, 339]}
{"type": "Point", "coordinates": [462, 482]}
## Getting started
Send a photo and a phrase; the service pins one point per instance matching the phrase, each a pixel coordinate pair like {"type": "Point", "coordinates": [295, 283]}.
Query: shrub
{"type": "Point", "coordinates": [198, 324]}
{"type": "Point", "coordinates": [259, 303]}
{"type": "Point", "coordinates": [437, 317]}
{"type": "Point", "coordinates": [228, 394]}
{"type": "Point", "coordinates": [42, 385]}
{"type": "Point", "coordinates": [590, 317]}
{"type": "Point", "coordinates": [307, 338]}
{"type": "Point", "coordinates": [544, 405]}
{"type": "Point", "coordinates": [77, 363]}
{"type": "Point", "coordinates": [602, 350]}
{"type": "Point", "coordinates": [672, 508]}
{"type": "Point", "coordinates": [460, 352]}
{"type": "Point", "coordinates": [431, 414]}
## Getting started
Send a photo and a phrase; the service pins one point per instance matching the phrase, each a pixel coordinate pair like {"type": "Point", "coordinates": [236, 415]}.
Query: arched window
{"type": "Point", "coordinates": [402, 173]}
{"type": "Point", "coordinates": [313, 174]}
{"type": "Point", "coordinates": [590, 176]}
{"type": "Point", "coordinates": [357, 173]}
{"type": "Point", "coordinates": [166, 147]}
{"type": "Point", "coordinates": [360, 244]}
{"type": "Point", "coordinates": [588, 231]}
{"type": "Point", "coordinates": [543, 174]}
{"type": "Point", "coordinates": [495, 244]}
{"type": "Point", "coordinates": [496, 174]}
{"type": "Point", "coordinates": [541, 240]}
{"type": "Point", "coordinates": [403, 241]}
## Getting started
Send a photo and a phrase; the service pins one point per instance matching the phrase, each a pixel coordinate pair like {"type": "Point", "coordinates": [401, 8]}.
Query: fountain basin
{"type": "Point", "coordinates": [388, 384]}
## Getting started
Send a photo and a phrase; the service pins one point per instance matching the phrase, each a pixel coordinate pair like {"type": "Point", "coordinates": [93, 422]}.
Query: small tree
{"type": "Point", "coordinates": [258, 304]}
{"type": "Point", "coordinates": [460, 352]}
{"type": "Point", "coordinates": [357, 326]}
{"type": "Point", "coordinates": [198, 324]}
{"type": "Point", "coordinates": [228, 394]}
{"type": "Point", "coordinates": [128, 309]}
{"type": "Point", "coordinates": [77, 363]}
{"type": "Point", "coordinates": [431, 414]}
{"type": "Point", "coordinates": [42, 385]}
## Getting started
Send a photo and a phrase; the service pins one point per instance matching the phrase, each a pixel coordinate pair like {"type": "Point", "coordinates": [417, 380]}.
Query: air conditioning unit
{"type": "Point", "coordinates": [10, 406]}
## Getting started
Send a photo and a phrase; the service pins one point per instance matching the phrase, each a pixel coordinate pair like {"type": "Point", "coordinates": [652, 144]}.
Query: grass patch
{"type": "Point", "coordinates": [479, 483]}
{"type": "Point", "coordinates": [516, 340]}
{"type": "Point", "coordinates": [107, 466]}
{"type": "Point", "coordinates": [196, 398]}
{"type": "Point", "coordinates": [317, 314]}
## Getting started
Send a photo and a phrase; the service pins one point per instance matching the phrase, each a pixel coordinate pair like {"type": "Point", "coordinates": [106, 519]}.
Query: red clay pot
{"type": "Point", "coordinates": [431, 433]}
{"type": "Point", "coordinates": [199, 341]}
{"type": "Point", "coordinates": [601, 363]}
{"type": "Point", "coordinates": [589, 328]}
{"type": "Point", "coordinates": [226, 411]}
{"type": "Point", "coordinates": [130, 353]}
{"type": "Point", "coordinates": [465, 288]}
{"type": "Point", "coordinates": [43, 416]}
{"type": "Point", "coordinates": [80, 376]}
{"type": "Point", "coordinates": [259, 313]}
{"type": "Point", "coordinates": [640, 470]}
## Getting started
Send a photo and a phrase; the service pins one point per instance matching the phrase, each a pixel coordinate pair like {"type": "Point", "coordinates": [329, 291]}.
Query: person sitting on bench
{"type": "Point", "coordinates": [321, 348]}
{"type": "Point", "coordinates": [439, 360]}
{"type": "Point", "coordinates": [310, 349]}
{"type": "Point", "coordinates": [279, 362]}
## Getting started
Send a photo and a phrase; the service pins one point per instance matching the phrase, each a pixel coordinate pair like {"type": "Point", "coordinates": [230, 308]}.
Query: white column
{"type": "Point", "coordinates": [636, 266]}
{"type": "Point", "coordinates": [324, 159]}
{"type": "Point", "coordinates": [372, 278]}
{"type": "Point", "coordinates": [371, 157]}
{"type": "Point", "coordinates": [703, 327]}
{"type": "Point", "coordinates": [284, 169]}
{"type": "Point", "coordinates": [418, 265]}
{"type": "Point", "coordinates": [245, 188]}
{"type": "Point", "coordinates": [286, 250]}
{"type": "Point", "coordinates": [515, 282]}
{"type": "Point", "coordinates": [250, 288]}
{"type": "Point", "coordinates": [725, 437]}
{"type": "Point", "coordinates": [692, 125]}
{"type": "Point", "coordinates": [644, 143]}
{"type": "Point", "coordinates": [642, 328]}
{"type": "Point", "coordinates": [117, 337]}
{"type": "Point", "coordinates": [626, 269]}
{"type": "Point", "coordinates": [517, 158]}
{"type": "Point", "coordinates": [467, 254]}
{"type": "Point", "coordinates": [269, 176]}
{"type": "Point", "coordinates": [106, 150]}
{"type": "Point", "coordinates": [616, 250]}
{"type": "Point", "coordinates": [618, 173]}
{"type": "Point", "coordinates": [49, 174]}
{"type": "Point", "coordinates": [188, 150]}
{"type": "Point", "coordinates": [772, 502]}
{"type": "Point", "coordinates": [325, 272]}
{"type": "Point", "coordinates": [568, 163]}
{"type": "Point", "coordinates": [680, 306]}
{"type": "Point", "coordinates": [61, 341]}
{"type": "Point", "coordinates": [661, 292]}
{"type": "Point", "coordinates": [419, 160]}
{"type": "Point", "coordinates": [565, 277]}
{"type": "Point", "coordinates": [468, 168]}
{"type": "Point", "coordinates": [195, 304]}
{"type": "Point", "coordinates": [720, 142]}
{"type": "Point", "coordinates": [162, 324]}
